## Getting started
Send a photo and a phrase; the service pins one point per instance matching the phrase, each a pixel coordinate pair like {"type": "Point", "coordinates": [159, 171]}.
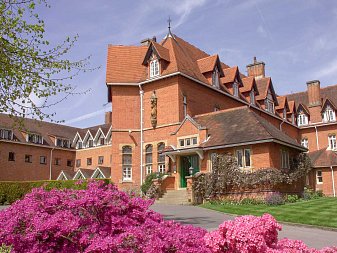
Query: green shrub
{"type": "Point", "coordinates": [12, 191]}
{"type": "Point", "coordinates": [274, 199]}
{"type": "Point", "coordinates": [311, 194]}
{"type": "Point", "coordinates": [292, 198]}
{"type": "Point", "coordinates": [5, 249]}
{"type": "Point", "coordinates": [148, 181]}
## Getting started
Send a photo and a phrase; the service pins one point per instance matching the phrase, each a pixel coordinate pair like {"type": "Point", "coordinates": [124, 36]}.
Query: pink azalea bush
{"type": "Point", "coordinates": [99, 219]}
{"type": "Point", "coordinates": [102, 219]}
{"type": "Point", "coordinates": [251, 234]}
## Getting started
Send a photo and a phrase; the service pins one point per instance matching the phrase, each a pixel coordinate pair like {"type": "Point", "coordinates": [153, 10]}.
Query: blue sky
{"type": "Point", "coordinates": [297, 39]}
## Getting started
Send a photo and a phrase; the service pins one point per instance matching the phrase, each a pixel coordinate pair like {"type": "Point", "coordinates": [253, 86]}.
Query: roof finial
{"type": "Point", "coordinates": [169, 24]}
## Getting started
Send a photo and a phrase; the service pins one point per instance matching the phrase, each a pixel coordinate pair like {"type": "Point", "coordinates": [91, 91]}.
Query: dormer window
{"type": "Point", "coordinates": [329, 115]}
{"type": "Point", "coordinates": [215, 78]}
{"type": "Point", "coordinates": [284, 113]}
{"type": "Point", "coordinates": [332, 142]}
{"type": "Point", "coordinates": [269, 103]}
{"type": "Point", "coordinates": [236, 89]}
{"type": "Point", "coordinates": [154, 68]}
{"type": "Point", "coordinates": [252, 97]}
{"type": "Point", "coordinates": [79, 145]}
{"type": "Point", "coordinates": [6, 134]}
{"type": "Point", "coordinates": [63, 143]}
{"type": "Point", "coordinates": [302, 119]}
{"type": "Point", "coordinates": [34, 138]}
{"type": "Point", "coordinates": [293, 118]}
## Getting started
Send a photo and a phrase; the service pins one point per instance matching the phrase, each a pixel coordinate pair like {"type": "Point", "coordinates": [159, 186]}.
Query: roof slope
{"type": "Point", "coordinates": [323, 158]}
{"type": "Point", "coordinates": [240, 125]}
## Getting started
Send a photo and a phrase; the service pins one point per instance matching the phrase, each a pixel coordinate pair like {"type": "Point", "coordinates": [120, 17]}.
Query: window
{"type": "Point", "coordinates": [284, 159]}
{"type": "Point", "coordinates": [90, 143]}
{"type": "Point", "coordinates": [319, 177]}
{"type": "Point", "coordinates": [332, 142]}
{"type": "Point", "coordinates": [28, 158]}
{"type": "Point", "coordinates": [78, 163]}
{"type": "Point", "coordinates": [154, 68]}
{"type": "Point", "coordinates": [215, 78]}
{"type": "Point", "coordinates": [194, 140]}
{"type": "Point", "coordinates": [79, 145]}
{"type": "Point", "coordinates": [100, 159]}
{"type": "Point", "coordinates": [269, 106]}
{"type": "Point", "coordinates": [302, 119]}
{"type": "Point", "coordinates": [182, 143]}
{"type": "Point", "coordinates": [161, 158]}
{"type": "Point", "coordinates": [64, 143]}
{"type": "Point", "coordinates": [11, 156]}
{"type": "Point", "coordinates": [6, 134]}
{"type": "Point", "coordinates": [89, 161]}
{"type": "Point", "coordinates": [236, 89]}
{"type": "Point", "coordinates": [185, 105]}
{"type": "Point", "coordinates": [35, 138]}
{"type": "Point", "coordinates": [329, 114]}
{"type": "Point", "coordinates": [127, 163]}
{"type": "Point", "coordinates": [57, 161]}
{"type": "Point", "coordinates": [293, 118]}
{"type": "Point", "coordinates": [252, 97]}
{"type": "Point", "coordinates": [148, 158]}
{"type": "Point", "coordinates": [212, 158]}
{"type": "Point", "coordinates": [243, 158]}
{"type": "Point", "coordinates": [284, 113]}
{"type": "Point", "coordinates": [69, 163]}
{"type": "Point", "coordinates": [304, 142]}
{"type": "Point", "coordinates": [187, 142]}
{"type": "Point", "coordinates": [43, 160]}
{"type": "Point", "coordinates": [101, 141]}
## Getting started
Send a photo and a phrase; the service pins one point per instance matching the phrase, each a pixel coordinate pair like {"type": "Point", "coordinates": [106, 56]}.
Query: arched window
{"type": "Point", "coordinates": [148, 159]}
{"type": "Point", "coordinates": [161, 157]}
{"type": "Point", "coordinates": [127, 163]}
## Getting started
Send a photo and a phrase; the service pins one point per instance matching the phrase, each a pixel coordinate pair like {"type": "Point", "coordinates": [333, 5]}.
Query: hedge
{"type": "Point", "coordinates": [10, 191]}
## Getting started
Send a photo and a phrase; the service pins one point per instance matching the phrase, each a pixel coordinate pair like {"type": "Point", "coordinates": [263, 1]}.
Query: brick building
{"type": "Point", "coordinates": [175, 106]}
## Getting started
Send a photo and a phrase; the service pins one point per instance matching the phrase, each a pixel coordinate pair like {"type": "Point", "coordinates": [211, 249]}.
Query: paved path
{"type": "Point", "coordinates": [210, 220]}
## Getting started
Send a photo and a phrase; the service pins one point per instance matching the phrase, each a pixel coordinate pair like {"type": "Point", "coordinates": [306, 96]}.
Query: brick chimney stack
{"type": "Point", "coordinates": [256, 69]}
{"type": "Point", "coordinates": [314, 93]}
{"type": "Point", "coordinates": [108, 118]}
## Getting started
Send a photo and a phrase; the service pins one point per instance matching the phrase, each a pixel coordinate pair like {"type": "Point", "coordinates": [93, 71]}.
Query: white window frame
{"type": "Point", "coordinates": [216, 78]}
{"type": "Point", "coordinates": [302, 119]}
{"type": "Point", "coordinates": [235, 89]}
{"type": "Point", "coordinates": [332, 142]}
{"type": "Point", "coordinates": [127, 173]}
{"type": "Point", "coordinates": [305, 143]}
{"type": "Point", "coordinates": [148, 169]}
{"type": "Point", "coordinates": [243, 158]}
{"type": "Point", "coordinates": [284, 113]}
{"type": "Point", "coordinates": [252, 97]}
{"type": "Point", "coordinates": [161, 167]}
{"type": "Point", "coordinates": [7, 132]}
{"type": "Point", "coordinates": [319, 177]}
{"type": "Point", "coordinates": [329, 115]}
{"type": "Point", "coordinates": [154, 68]}
{"type": "Point", "coordinates": [187, 142]}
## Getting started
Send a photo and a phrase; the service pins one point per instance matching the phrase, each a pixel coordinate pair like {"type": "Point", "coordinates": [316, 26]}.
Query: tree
{"type": "Point", "coordinates": [29, 66]}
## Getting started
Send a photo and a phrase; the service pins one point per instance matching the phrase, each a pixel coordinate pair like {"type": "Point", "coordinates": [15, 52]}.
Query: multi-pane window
{"type": "Point", "coordinates": [188, 142]}
{"type": "Point", "coordinates": [11, 156]}
{"type": "Point", "coordinates": [302, 119]}
{"type": "Point", "coordinates": [28, 158]}
{"type": "Point", "coordinates": [35, 138]}
{"type": "Point", "coordinates": [78, 163]}
{"type": "Point", "coordinates": [332, 141]}
{"type": "Point", "coordinates": [215, 78]}
{"type": "Point", "coordinates": [148, 158]}
{"type": "Point", "coordinates": [57, 161]}
{"type": "Point", "coordinates": [284, 159]}
{"type": "Point", "coordinates": [185, 105]}
{"type": "Point", "coordinates": [252, 97]}
{"type": "Point", "coordinates": [100, 159]}
{"type": "Point", "coordinates": [243, 157]}
{"type": "Point", "coordinates": [236, 89]}
{"type": "Point", "coordinates": [305, 143]}
{"type": "Point", "coordinates": [90, 143]}
{"type": "Point", "coordinates": [69, 163]}
{"type": "Point", "coordinates": [154, 68]}
{"type": "Point", "coordinates": [101, 141]}
{"type": "Point", "coordinates": [212, 158]}
{"type": "Point", "coordinates": [79, 145]}
{"type": "Point", "coordinates": [63, 143]}
{"type": "Point", "coordinates": [127, 163]}
{"type": "Point", "coordinates": [329, 114]}
{"type": "Point", "coordinates": [319, 177]}
{"type": "Point", "coordinates": [89, 161]}
{"type": "Point", "coordinates": [161, 157]}
{"type": "Point", "coordinates": [269, 102]}
{"type": "Point", "coordinates": [43, 160]}
{"type": "Point", "coordinates": [6, 134]}
{"type": "Point", "coordinates": [284, 113]}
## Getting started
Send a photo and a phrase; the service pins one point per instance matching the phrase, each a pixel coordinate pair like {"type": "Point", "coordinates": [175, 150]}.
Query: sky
{"type": "Point", "coordinates": [297, 40]}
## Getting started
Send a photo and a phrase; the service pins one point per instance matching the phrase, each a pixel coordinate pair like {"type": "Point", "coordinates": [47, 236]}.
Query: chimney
{"type": "Point", "coordinates": [256, 69]}
{"type": "Point", "coordinates": [314, 93]}
{"type": "Point", "coordinates": [108, 118]}
{"type": "Point", "coordinates": [145, 42]}
{"type": "Point", "coordinates": [154, 38]}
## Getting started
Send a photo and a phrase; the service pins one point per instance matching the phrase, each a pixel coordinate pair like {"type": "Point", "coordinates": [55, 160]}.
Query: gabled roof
{"type": "Point", "coordinates": [230, 75]}
{"type": "Point", "coordinates": [208, 64]}
{"type": "Point", "coordinates": [263, 85]}
{"type": "Point", "coordinates": [239, 126]}
{"type": "Point", "coordinates": [68, 175]}
{"type": "Point", "coordinates": [304, 108]}
{"type": "Point", "coordinates": [106, 172]}
{"type": "Point", "coordinates": [190, 119]}
{"type": "Point", "coordinates": [282, 103]}
{"type": "Point", "coordinates": [248, 84]}
{"type": "Point", "coordinates": [159, 50]}
{"type": "Point", "coordinates": [292, 107]}
{"type": "Point", "coordinates": [323, 158]}
{"type": "Point", "coordinates": [326, 102]}
{"type": "Point", "coordinates": [86, 173]}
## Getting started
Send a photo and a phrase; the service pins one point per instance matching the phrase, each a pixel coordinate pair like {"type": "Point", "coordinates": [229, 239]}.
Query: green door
{"type": "Point", "coordinates": [185, 163]}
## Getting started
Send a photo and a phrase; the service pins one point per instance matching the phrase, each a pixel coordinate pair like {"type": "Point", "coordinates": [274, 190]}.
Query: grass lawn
{"type": "Point", "coordinates": [318, 212]}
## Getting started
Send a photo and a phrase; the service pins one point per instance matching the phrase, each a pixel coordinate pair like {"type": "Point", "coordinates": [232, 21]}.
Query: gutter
{"type": "Point", "coordinates": [317, 144]}
{"type": "Point", "coordinates": [51, 162]}
{"type": "Point", "coordinates": [141, 95]}
{"type": "Point", "coordinates": [333, 181]}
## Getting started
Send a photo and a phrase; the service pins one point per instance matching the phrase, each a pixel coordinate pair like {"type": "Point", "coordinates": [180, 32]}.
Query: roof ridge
{"type": "Point", "coordinates": [221, 111]}
{"type": "Point", "coordinates": [257, 117]}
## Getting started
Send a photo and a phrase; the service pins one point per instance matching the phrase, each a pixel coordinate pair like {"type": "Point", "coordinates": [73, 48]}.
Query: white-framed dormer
{"type": "Point", "coordinates": [62, 142]}
{"type": "Point", "coordinates": [216, 78]}
{"type": "Point", "coordinates": [329, 114]}
{"type": "Point", "coordinates": [79, 175]}
{"type": "Point", "coordinates": [77, 142]}
{"type": "Point", "coordinates": [34, 138]}
{"type": "Point", "coordinates": [6, 134]}
{"type": "Point", "coordinates": [88, 140]}
{"type": "Point", "coordinates": [99, 139]}
{"type": "Point", "coordinates": [108, 136]}
{"type": "Point", "coordinates": [332, 142]}
{"type": "Point", "coordinates": [100, 174]}
{"type": "Point", "coordinates": [252, 96]}
{"type": "Point", "coordinates": [269, 102]}
{"type": "Point", "coordinates": [154, 66]}
{"type": "Point", "coordinates": [302, 117]}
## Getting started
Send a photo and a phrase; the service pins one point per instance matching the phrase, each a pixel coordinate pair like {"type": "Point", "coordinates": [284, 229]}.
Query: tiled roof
{"type": "Point", "coordinates": [263, 84]}
{"type": "Point", "coordinates": [230, 75]}
{"type": "Point", "coordinates": [326, 92]}
{"type": "Point", "coordinates": [292, 107]}
{"type": "Point", "coordinates": [323, 158]}
{"type": "Point", "coordinates": [240, 125]}
{"type": "Point", "coordinates": [207, 64]}
{"type": "Point", "coordinates": [248, 84]}
{"type": "Point", "coordinates": [162, 51]}
{"type": "Point", "coordinates": [106, 171]}
{"type": "Point", "coordinates": [282, 102]}
{"type": "Point", "coordinates": [326, 102]}
{"type": "Point", "coordinates": [45, 129]}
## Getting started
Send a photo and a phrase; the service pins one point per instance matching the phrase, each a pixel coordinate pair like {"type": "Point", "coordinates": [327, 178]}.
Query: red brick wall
{"type": "Point", "coordinates": [94, 153]}
{"type": "Point", "coordinates": [326, 186]}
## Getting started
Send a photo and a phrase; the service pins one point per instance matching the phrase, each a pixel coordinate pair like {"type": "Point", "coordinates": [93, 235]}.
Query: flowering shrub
{"type": "Point", "coordinates": [98, 219]}
{"type": "Point", "coordinates": [274, 199]}
{"type": "Point", "coordinates": [251, 234]}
